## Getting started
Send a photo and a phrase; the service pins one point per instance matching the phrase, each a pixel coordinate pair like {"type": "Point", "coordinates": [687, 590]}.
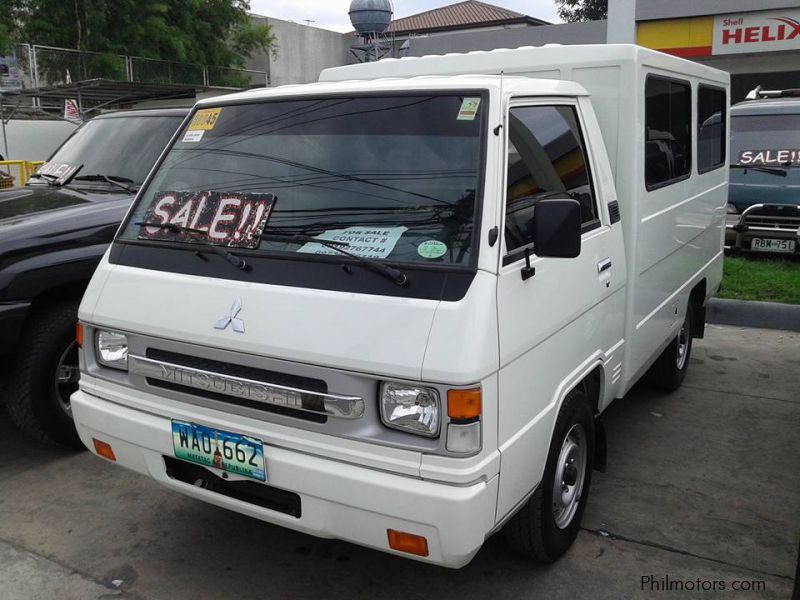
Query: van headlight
{"type": "Point", "coordinates": [415, 409]}
{"type": "Point", "coordinates": [111, 349]}
{"type": "Point", "coordinates": [731, 209]}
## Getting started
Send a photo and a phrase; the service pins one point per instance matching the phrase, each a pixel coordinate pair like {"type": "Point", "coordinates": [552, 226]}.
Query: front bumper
{"type": "Point", "coordinates": [339, 500]}
{"type": "Point", "coordinates": [740, 228]}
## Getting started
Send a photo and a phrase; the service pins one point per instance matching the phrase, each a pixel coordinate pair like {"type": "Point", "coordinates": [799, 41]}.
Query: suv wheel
{"type": "Point", "coordinates": [44, 376]}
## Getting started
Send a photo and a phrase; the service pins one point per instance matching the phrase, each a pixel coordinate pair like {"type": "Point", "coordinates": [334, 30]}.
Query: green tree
{"type": "Point", "coordinates": [208, 32]}
{"type": "Point", "coordinates": [572, 11]}
{"type": "Point", "coordinates": [9, 13]}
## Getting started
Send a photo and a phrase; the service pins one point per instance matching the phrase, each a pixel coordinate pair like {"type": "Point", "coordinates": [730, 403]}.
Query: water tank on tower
{"type": "Point", "coordinates": [371, 18]}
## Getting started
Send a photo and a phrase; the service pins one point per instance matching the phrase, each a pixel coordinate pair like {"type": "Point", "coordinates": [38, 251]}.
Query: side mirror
{"type": "Point", "coordinates": [557, 228]}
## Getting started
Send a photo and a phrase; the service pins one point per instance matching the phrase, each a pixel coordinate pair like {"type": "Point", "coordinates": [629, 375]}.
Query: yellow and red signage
{"type": "Point", "coordinates": [763, 31]}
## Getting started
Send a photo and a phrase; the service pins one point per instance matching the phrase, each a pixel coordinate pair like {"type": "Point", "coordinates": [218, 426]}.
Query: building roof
{"type": "Point", "coordinates": [462, 15]}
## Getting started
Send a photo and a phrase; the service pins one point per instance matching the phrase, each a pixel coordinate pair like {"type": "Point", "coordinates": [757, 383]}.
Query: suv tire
{"type": "Point", "coordinates": [37, 403]}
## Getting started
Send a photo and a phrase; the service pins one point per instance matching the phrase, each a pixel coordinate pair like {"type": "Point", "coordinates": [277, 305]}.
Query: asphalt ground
{"type": "Point", "coordinates": [702, 492]}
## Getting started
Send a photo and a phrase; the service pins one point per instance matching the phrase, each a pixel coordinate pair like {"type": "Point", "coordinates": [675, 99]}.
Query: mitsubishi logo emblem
{"type": "Point", "coordinates": [231, 318]}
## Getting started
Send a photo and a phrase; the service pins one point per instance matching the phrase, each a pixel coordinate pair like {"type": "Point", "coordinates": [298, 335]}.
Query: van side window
{"type": "Point", "coordinates": [668, 131]}
{"type": "Point", "coordinates": [711, 104]}
{"type": "Point", "coordinates": [546, 159]}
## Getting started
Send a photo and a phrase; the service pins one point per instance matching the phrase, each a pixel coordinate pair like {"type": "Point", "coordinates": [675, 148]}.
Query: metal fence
{"type": "Point", "coordinates": [15, 173]}
{"type": "Point", "coordinates": [47, 65]}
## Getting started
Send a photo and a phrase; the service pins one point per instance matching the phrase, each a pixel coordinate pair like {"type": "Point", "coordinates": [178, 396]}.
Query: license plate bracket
{"type": "Point", "coordinates": [229, 452]}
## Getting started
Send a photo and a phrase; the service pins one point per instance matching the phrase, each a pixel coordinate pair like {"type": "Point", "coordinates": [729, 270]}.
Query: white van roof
{"type": "Point", "coordinates": [521, 60]}
{"type": "Point", "coordinates": [548, 87]}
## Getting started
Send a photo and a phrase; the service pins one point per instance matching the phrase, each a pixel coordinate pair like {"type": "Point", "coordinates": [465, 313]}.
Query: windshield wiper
{"type": "Point", "coordinates": [773, 170]}
{"type": "Point", "coordinates": [395, 275]}
{"type": "Point", "coordinates": [236, 261]}
{"type": "Point", "coordinates": [115, 180]}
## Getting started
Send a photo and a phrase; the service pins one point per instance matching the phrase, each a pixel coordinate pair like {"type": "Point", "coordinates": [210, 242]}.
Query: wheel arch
{"type": "Point", "coordinates": [591, 381]}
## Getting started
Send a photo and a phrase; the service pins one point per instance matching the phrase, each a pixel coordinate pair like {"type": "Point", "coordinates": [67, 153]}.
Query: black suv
{"type": "Point", "coordinates": [53, 233]}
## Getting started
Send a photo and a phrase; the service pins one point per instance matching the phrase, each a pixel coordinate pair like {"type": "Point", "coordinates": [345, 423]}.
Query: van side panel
{"type": "Point", "coordinates": [675, 242]}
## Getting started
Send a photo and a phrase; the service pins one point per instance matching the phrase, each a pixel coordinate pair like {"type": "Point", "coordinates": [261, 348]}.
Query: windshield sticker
{"type": "Point", "coordinates": [366, 242]}
{"type": "Point", "coordinates": [205, 119]}
{"type": "Point", "coordinates": [432, 249]}
{"type": "Point", "coordinates": [469, 109]}
{"type": "Point", "coordinates": [194, 135]}
{"type": "Point", "coordinates": [772, 158]}
{"type": "Point", "coordinates": [232, 219]}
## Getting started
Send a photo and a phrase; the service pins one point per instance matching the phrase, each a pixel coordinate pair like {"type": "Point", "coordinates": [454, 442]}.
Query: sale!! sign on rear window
{"type": "Point", "coordinates": [771, 158]}
{"type": "Point", "coordinates": [233, 219]}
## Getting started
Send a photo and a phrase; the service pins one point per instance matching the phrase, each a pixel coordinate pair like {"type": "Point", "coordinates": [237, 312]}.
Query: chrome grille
{"type": "Point", "coordinates": [780, 217]}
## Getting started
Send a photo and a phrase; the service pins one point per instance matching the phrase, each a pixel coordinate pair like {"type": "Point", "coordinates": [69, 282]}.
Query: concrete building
{"type": "Point", "coordinates": [757, 41]}
{"type": "Point", "coordinates": [302, 52]}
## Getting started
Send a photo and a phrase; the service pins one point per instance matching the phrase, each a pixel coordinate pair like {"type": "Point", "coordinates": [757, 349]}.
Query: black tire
{"type": "Point", "coordinates": [32, 397]}
{"type": "Point", "coordinates": [533, 531]}
{"type": "Point", "coordinates": [668, 372]}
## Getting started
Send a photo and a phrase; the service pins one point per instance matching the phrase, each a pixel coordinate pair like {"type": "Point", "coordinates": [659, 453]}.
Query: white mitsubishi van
{"type": "Point", "coordinates": [390, 307]}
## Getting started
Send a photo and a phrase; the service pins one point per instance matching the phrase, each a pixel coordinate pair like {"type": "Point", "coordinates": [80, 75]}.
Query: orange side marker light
{"type": "Point", "coordinates": [79, 333]}
{"type": "Point", "coordinates": [407, 542]}
{"type": "Point", "coordinates": [104, 450]}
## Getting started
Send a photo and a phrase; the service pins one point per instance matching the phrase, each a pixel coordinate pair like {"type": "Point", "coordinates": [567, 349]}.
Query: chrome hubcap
{"type": "Point", "coordinates": [67, 374]}
{"type": "Point", "coordinates": [683, 345]}
{"type": "Point", "coordinates": [570, 473]}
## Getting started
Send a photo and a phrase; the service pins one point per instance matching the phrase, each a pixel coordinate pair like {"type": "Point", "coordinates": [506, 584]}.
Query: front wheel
{"type": "Point", "coordinates": [547, 525]}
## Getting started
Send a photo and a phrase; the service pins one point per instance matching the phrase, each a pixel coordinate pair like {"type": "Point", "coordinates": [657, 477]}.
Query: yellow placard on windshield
{"type": "Point", "coordinates": [205, 119]}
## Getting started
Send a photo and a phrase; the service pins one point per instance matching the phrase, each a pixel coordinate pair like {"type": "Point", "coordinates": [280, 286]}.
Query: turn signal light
{"type": "Point", "coordinates": [464, 404]}
{"type": "Point", "coordinates": [104, 450]}
{"type": "Point", "coordinates": [79, 333]}
{"type": "Point", "coordinates": [407, 542]}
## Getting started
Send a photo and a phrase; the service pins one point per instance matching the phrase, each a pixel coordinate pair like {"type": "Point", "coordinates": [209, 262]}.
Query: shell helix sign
{"type": "Point", "coordinates": [734, 33]}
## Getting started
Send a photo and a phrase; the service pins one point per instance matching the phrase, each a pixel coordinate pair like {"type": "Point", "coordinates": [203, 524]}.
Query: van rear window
{"type": "Point", "coordinates": [668, 131]}
{"type": "Point", "coordinates": [711, 138]}
{"type": "Point", "coordinates": [765, 140]}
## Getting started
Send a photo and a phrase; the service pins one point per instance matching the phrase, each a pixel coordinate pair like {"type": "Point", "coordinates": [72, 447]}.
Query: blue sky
{"type": "Point", "coordinates": [332, 14]}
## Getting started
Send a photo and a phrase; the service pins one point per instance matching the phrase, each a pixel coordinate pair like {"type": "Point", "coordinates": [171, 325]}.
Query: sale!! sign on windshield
{"type": "Point", "coordinates": [232, 219]}
{"type": "Point", "coordinates": [764, 31]}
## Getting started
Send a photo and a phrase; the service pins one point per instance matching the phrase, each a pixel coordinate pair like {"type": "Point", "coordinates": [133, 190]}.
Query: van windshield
{"type": "Point", "coordinates": [765, 140]}
{"type": "Point", "coordinates": [389, 178]}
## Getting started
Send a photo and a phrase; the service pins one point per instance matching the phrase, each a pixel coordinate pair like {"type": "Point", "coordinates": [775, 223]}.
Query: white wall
{"type": "Point", "coordinates": [303, 52]}
{"type": "Point", "coordinates": [34, 140]}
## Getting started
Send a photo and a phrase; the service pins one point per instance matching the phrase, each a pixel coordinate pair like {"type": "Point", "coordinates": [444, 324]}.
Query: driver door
{"type": "Point", "coordinates": [553, 322]}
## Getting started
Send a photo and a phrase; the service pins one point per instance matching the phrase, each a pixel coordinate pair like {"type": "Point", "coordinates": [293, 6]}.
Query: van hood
{"type": "Point", "coordinates": [381, 335]}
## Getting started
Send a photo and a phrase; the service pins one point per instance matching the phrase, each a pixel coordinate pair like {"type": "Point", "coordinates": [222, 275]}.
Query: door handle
{"type": "Point", "coordinates": [604, 265]}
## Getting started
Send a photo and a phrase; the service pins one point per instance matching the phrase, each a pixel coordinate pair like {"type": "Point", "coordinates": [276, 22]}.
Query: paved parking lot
{"type": "Point", "coordinates": [701, 485]}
